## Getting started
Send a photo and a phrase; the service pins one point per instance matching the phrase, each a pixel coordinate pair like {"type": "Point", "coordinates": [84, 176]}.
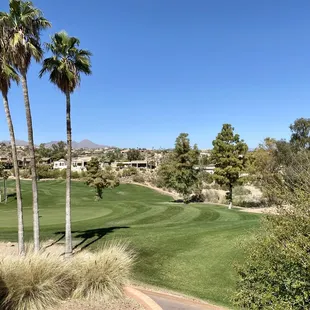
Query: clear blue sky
{"type": "Point", "coordinates": [161, 67]}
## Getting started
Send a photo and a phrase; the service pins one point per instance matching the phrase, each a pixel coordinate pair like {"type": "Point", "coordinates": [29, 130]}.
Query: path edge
{"type": "Point", "coordinates": [147, 302]}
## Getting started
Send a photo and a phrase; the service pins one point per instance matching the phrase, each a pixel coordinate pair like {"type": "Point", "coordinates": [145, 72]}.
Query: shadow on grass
{"type": "Point", "coordinates": [88, 237]}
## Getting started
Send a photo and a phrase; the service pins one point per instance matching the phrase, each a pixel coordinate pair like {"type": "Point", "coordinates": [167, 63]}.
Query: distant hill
{"type": "Point", "coordinates": [18, 142]}
{"type": "Point", "coordinates": [86, 144]}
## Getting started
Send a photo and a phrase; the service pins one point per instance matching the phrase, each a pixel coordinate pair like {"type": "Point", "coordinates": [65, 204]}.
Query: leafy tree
{"type": "Point", "coordinates": [8, 74]}
{"type": "Point", "coordinates": [100, 179]}
{"type": "Point", "coordinates": [300, 137]}
{"type": "Point", "coordinates": [229, 156]}
{"type": "Point", "coordinates": [43, 151]}
{"type": "Point", "coordinates": [59, 151]}
{"type": "Point", "coordinates": [65, 67]}
{"type": "Point", "coordinates": [23, 24]}
{"type": "Point", "coordinates": [275, 274]}
{"type": "Point", "coordinates": [112, 156]}
{"type": "Point", "coordinates": [178, 169]}
{"type": "Point", "coordinates": [134, 154]}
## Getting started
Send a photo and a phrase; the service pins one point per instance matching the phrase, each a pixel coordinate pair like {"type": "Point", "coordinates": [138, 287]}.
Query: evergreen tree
{"type": "Point", "coordinates": [229, 156]}
{"type": "Point", "coordinates": [100, 179]}
{"type": "Point", "coordinates": [178, 170]}
{"type": "Point", "coordinates": [300, 137]}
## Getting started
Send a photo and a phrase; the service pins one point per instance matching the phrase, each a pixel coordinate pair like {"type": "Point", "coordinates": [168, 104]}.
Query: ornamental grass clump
{"type": "Point", "coordinates": [104, 273]}
{"type": "Point", "coordinates": [36, 281]}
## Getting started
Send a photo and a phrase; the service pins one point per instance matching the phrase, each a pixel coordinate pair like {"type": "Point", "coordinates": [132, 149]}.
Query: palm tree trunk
{"type": "Point", "coordinates": [68, 250]}
{"type": "Point", "coordinates": [4, 190]}
{"type": "Point", "coordinates": [35, 206]}
{"type": "Point", "coordinates": [230, 197]}
{"type": "Point", "coordinates": [21, 246]}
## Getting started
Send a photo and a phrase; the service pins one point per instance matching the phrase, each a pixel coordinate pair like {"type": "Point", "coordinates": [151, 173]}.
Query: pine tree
{"type": "Point", "coordinates": [229, 156]}
{"type": "Point", "coordinates": [178, 171]}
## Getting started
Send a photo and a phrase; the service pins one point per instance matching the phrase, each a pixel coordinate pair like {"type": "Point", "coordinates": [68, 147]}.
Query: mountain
{"type": "Point", "coordinates": [86, 144]}
{"type": "Point", "coordinates": [18, 142]}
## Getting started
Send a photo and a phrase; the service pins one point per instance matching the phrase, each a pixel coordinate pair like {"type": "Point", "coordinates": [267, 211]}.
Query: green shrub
{"type": "Point", "coordinates": [276, 273]}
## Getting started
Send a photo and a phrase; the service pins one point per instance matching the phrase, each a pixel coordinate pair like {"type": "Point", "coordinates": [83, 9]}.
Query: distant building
{"type": "Point", "coordinates": [60, 164]}
{"type": "Point", "coordinates": [79, 164]}
{"type": "Point", "coordinates": [45, 161]}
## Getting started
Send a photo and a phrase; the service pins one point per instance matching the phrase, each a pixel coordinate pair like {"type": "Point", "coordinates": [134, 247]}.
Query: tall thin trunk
{"type": "Point", "coordinates": [230, 196]}
{"type": "Point", "coordinates": [4, 190]}
{"type": "Point", "coordinates": [35, 206]}
{"type": "Point", "coordinates": [21, 246]}
{"type": "Point", "coordinates": [68, 250]}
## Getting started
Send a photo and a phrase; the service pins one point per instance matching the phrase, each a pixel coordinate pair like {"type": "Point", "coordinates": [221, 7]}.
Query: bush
{"type": "Point", "coordinates": [40, 281]}
{"type": "Point", "coordinates": [130, 171]}
{"type": "Point", "coordinates": [138, 178]}
{"type": "Point", "coordinates": [25, 173]}
{"type": "Point", "coordinates": [102, 274]}
{"type": "Point", "coordinates": [36, 281]}
{"type": "Point", "coordinates": [215, 196]}
{"type": "Point", "coordinates": [241, 191]}
{"type": "Point", "coordinates": [276, 273]}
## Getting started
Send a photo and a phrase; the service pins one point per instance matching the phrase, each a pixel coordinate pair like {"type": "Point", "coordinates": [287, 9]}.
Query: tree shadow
{"type": "Point", "coordinates": [88, 237]}
{"type": "Point", "coordinates": [62, 236]}
{"type": "Point", "coordinates": [177, 201]}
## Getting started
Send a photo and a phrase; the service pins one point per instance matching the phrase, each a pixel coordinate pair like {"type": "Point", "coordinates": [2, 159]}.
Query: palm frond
{"type": "Point", "coordinates": [67, 63]}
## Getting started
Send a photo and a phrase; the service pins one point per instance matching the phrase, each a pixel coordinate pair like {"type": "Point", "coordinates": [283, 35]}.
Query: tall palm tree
{"type": "Point", "coordinates": [8, 74]}
{"type": "Point", "coordinates": [23, 24]}
{"type": "Point", "coordinates": [65, 68]}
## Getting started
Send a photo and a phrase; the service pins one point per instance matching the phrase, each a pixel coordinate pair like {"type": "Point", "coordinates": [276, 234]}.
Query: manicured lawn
{"type": "Point", "coordinates": [186, 248]}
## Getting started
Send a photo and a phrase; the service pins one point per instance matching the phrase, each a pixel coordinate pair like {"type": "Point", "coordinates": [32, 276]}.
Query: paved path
{"type": "Point", "coordinates": [172, 302]}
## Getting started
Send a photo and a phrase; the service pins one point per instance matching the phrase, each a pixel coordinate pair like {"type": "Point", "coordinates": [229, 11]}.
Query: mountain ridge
{"type": "Point", "coordinates": [85, 143]}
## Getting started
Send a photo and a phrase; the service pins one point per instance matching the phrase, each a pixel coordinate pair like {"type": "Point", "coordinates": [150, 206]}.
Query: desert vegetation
{"type": "Point", "coordinates": [43, 280]}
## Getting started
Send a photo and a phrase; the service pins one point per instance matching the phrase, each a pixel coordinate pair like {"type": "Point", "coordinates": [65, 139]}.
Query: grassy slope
{"type": "Point", "coordinates": [187, 248]}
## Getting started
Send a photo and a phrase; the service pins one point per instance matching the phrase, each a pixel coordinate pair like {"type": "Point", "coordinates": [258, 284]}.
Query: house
{"type": "Point", "coordinates": [79, 164]}
{"type": "Point", "coordinates": [45, 161]}
{"type": "Point", "coordinates": [60, 164]}
{"type": "Point", "coordinates": [134, 163]}
{"type": "Point", "coordinates": [209, 168]}
{"type": "Point", "coordinates": [26, 162]}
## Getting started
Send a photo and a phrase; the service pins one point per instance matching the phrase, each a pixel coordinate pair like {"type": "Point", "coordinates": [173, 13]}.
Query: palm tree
{"type": "Point", "coordinates": [8, 74]}
{"type": "Point", "coordinates": [23, 25]}
{"type": "Point", "coordinates": [65, 68]}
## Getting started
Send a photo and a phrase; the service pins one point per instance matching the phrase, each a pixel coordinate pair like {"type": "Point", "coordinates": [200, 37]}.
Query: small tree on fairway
{"type": "Point", "coordinates": [65, 68]}
{"type": "Point", "coordinates": [178, 170]}
{"type": "Point", "coordinates": [100, 179]}
{"type": "Point", "coordinates": [229, 156]}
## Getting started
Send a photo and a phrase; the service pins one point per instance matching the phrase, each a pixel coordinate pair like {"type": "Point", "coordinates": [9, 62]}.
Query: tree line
{"type": "Point", "coordinates": [20, 44]}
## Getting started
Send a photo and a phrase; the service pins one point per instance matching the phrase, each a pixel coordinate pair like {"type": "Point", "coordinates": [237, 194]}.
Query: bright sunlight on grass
{"type": "Point", "coordinates": [186, 248]}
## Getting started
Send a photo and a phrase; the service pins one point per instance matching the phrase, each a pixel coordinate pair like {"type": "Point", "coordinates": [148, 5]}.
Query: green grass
{"type": "Point", "coordinates": [186, 248]}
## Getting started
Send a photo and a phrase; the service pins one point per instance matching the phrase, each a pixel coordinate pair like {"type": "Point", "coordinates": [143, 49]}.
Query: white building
{"type": "Point", "coordinates": [78, 164]}
{"type": "Point", "coordinates": [60, 164]}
